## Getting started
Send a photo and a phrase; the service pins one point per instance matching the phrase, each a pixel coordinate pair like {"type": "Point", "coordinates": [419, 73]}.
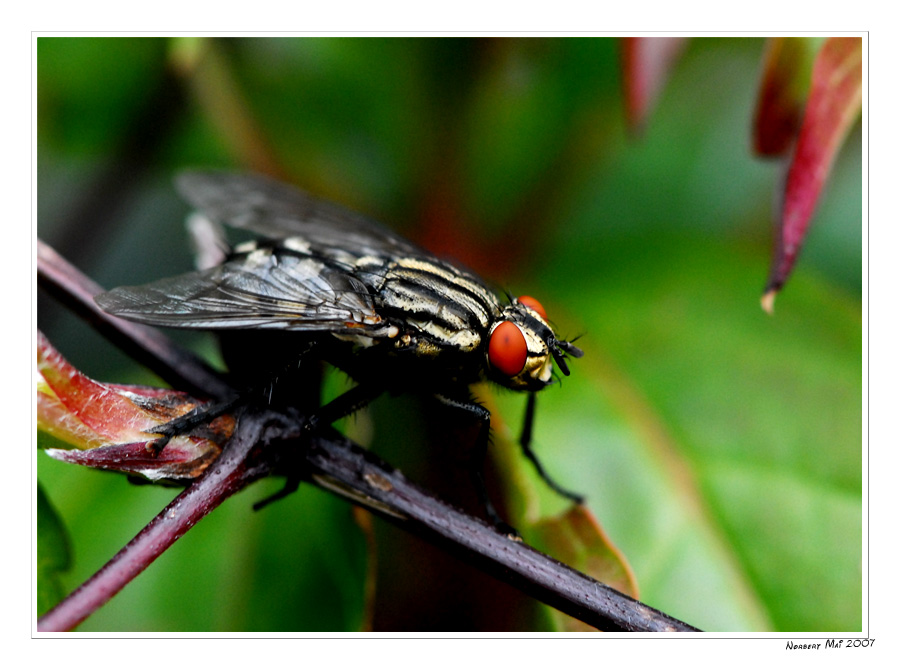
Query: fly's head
{"type": "Point", "coordinates": [522, 347]}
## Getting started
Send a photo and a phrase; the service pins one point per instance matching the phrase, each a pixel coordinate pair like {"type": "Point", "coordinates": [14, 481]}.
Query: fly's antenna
{"type": "Point", "coordinates": [559, 356]}
{"type": "Point", "coordinates": [560, 349]}
{"type": "Point", "coordinates": [570, 349]}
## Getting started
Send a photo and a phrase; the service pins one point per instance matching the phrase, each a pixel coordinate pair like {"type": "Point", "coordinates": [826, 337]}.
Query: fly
{"type": "Point", "coordinates": [357, 295]}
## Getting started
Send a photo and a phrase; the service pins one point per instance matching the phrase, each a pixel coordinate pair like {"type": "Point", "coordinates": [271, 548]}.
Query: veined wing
{"type": "Point", "coordinates": [261, 289]}
{"type": "Point", "coordinates": [277, 211]}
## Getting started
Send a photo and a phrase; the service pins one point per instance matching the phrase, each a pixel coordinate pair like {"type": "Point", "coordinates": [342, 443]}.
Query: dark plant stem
{"type": "Point", "coordinates": [267, 442]}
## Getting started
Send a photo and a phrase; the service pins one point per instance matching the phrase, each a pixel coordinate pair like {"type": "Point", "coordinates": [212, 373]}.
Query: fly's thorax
{"type": "Point", "coordinates": [439, 309]}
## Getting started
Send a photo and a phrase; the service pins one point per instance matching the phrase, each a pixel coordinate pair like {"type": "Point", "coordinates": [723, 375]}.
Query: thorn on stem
{"type": "Point", "coordinates": [768, 301]}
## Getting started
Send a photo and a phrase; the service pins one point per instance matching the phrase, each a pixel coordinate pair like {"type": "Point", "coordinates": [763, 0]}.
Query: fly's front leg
{"type": "Point", "coordinates": [483, 418]}
{"type": "Point", "coordinates": [525, 442]}
{"type": "Point", "coordinates": [186, 423]}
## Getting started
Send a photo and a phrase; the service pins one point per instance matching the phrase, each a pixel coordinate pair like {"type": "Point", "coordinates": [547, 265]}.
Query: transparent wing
{"type": "Point", "coordinates": [278, 211]}
{"type": "Point", "coordinates": [259, 291]}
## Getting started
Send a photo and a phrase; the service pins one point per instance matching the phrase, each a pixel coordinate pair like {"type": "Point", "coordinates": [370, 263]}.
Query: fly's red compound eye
{"type": "Point", "coordinates": [507, 350]}
{"type": "Point", "coordinates": [528, 301]}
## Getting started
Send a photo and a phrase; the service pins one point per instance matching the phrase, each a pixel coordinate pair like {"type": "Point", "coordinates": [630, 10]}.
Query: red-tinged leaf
{"type": "Point", "coordinates": [57, 420]}
{"type": "Point", "coordinates": [577, 539]}
{"type": "Point", "coordinates": [783, 88]}
{"type": "Point", "coordinates": [646, 62]}
{"type": "Point", "coordinates": [834, 103]}
{"type": "Point", "coordinates": [176, 461]}
{"type": "Point", "coordinates": [112, 423]}
{"type": "Point", "coordinates": [108, 415]}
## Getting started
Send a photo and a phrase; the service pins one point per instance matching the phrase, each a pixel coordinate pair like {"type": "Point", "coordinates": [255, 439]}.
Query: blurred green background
{"type": "Point", "coordinates": [719, 447]}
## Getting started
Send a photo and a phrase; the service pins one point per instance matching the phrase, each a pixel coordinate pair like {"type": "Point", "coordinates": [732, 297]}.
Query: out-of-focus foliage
{"type": "Point", "coordinates": [54, 555]}
{"type": "Point", "coordinates": [719, 447]}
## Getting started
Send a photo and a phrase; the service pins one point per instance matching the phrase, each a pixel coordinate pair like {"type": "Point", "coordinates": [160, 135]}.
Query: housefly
{"type": "Point", "coordinates": [353, 293]}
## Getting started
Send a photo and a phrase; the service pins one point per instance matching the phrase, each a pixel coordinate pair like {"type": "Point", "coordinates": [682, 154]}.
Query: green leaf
{"type": "Point", "coordinates": [718, 447]}
{"type": "Point", "coordinates": [54, 556]}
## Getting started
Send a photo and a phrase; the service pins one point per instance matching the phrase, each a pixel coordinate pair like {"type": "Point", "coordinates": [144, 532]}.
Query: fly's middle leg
{"type": "Point", "coordinates": [345, 404]}
{"type": "Point", "coordinates": [483, 417]}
